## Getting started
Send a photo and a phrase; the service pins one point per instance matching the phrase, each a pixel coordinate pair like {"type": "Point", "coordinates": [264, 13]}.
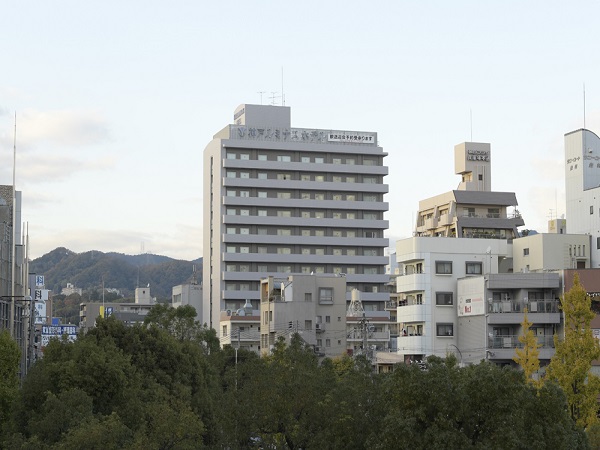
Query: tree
{"type": "Point", "coordinates": [570, 366]}
{"type": "Point", "coordinates": [528, 356]}
{"type": "Point", "coordinates": [9, 368]}
{"type": "Point", "coordinates": [479, 406]}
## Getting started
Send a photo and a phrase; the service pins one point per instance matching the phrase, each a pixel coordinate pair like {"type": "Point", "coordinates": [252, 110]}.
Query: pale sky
{"type": "Point", "coordinates": [116, 100]}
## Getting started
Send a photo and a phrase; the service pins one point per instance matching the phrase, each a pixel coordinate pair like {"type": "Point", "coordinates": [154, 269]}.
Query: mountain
{"type": "Point", "coordinates": [123, 272]}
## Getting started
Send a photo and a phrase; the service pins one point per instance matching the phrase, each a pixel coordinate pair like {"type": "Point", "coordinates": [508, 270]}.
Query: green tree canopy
{"type": "Point", "coordinates": [571, 364]}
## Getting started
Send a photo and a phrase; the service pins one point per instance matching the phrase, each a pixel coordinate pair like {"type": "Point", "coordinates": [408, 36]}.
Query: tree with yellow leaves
{"type": "Point", "coordinates": [528, 357]}
{"type": "Point", "coordinates": [570, 366]}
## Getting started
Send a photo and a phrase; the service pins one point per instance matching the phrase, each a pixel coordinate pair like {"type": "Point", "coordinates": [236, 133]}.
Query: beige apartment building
{"type": "Point", "coordinates": [314, 306]}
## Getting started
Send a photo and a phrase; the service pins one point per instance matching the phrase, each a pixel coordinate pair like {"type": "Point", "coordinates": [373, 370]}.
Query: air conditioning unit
{"type": "Point", "coordinates": [319, 326]}
{"type": "Point", "coordinates": [317, 349]}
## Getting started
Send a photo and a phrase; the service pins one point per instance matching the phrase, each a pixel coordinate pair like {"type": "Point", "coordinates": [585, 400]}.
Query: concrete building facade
{"type": "Point", "coordinates": [582, 187]}
{"type": "Point", "coordinates": [281, 200]}
{"type": "Point", "coordinates": [313, 306]}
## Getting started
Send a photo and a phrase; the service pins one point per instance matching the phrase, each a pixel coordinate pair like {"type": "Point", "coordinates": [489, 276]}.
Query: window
{"type": "Point", "coordinates": [231, 230]}
{"type": "Point", "coordinates": [444, 329]}
{"type": "Point", "coordinates": [231, 249]}
{"type": "Point", "coordinates": [285, 195]}
{"type": "Point", "coordinates": [307, 233]}
{"type": "Point", "coordinates": [306, 251]}
{"type": "Point", "coordinates": [474, 268]}
{"type": "Point", "coordinates": [350, 179]}
{"type": "Point", "coordinates": [319, 269]}
{"type": "Point", "coordinates": [262, 157]}
{"type": "Point", "coordinates": [244, 212]}
{"type": "Point", "coordinates": [305, 196]}
{"type": "Point", "coordinates": [245, 268]}
{"type": "Point", "coordinates": [319, 251]}
{"type": "Point", "coordinates": [284, 158]}
{"type": "Point", "coordinates": [319, 215]}
{"type": "Point", "coordinates": [444, 298]}
{"type": "Point", "coordinates": [230, 155]}
{"type": "Point", "coordinates": [230, 193]}
{"type": "Point", "coordinates": [284, 176]}
{"type": "Point", "coordinates": [370, 216]}
{"type": "Point", "coordinates": [371, 252]}
{"type": "Point", "coordinates": [244, 230]}
{"type": "Point", "coordinates": [305, 270]}
{"type": "Point", "coordinates": [284, 269]}
{"type": "Point", "coordinates": [319, 196]}
{"type": "Point", "coordinates": [319, 233]}
{"type": "Point", "coordinates": [320, 178]}
{"type": "Point", "coordinates": [304, 177]}
{"type": "Point", "coordinates": [327, 342]}
{"type": "Point", "coordinates": [327, 319]}
{"type": "Point", "coordinates": [244, 156]}
{"type": "Point", "coordinates": [336, 179]}
{"type": "Point", "coordinates": [284, 251]}
{"type": "Point", "coordinates": [308, 297]}
{"type": "Point", "coordinates": [244, 249]}
{"type": "Point", "coordinates": [230, 174]}
{"type": "Point", "coordinates": [369, 198]}
{"type": "Point", "coordinates": [350, 215]}
{"type": "Point", "coordinates": [261, 249]}
{"type": "Point", "coordinates": [351, 233]}
{"type": "Point", "coordinates": [336, 160]}
{"type": "Point", "coordinates": [443, 267]}
{"type": "Point", "coordinates": [261, 268]}
{"type": "Point", "coordinates": [368, 162]}
{"type": "Point", "coordinates": [350, 161]}
{"type": "Point", "coordinates": [262, 212]}
{"type": "Point", "coordinates": [526, 252]}
{"type": "Point", "coordinates": [305, 159]}
{"type": "Point", "coordinates": [480, 177]}
{"type": "Point", "coordinates": [244, 193]}
{"type": "Point", "coordinates": [350, 252]}
{"type": "Point", "coordinates": [231, 268]}
{"type": "Point", "coordinates": [369, 180]}
{"type": "Point", "coordinates": [262, 176]}
{"type": "Point", "coordinates": [336, 196]}
{"type": "Point", "coordinates": [284, 232]}
{"type": "Point", "coordinates": [370, 271]}
{"type": "Point", "coordinates": [308, 324]}
{"type": "Point", "coordinates": [493, 213]}
{"type": "Point", "coordinates": [319, 160]}
{"type": "Point", "coordinates": [326, 295]}
{"type": "Point", "coordinates": [350, 197]}
{"type": "Point", "coordinates": [244, 174]}
{"type": "Point", "coordinates": [262, 194]}
{"type": "Point", "coordinates": [305, 214]}
{"type": "Point", "coordinates": [284, 213]}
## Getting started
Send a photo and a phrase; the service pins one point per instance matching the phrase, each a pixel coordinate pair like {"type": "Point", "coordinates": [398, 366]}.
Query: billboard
{"type": "Point", "coordinates": [57, 331]}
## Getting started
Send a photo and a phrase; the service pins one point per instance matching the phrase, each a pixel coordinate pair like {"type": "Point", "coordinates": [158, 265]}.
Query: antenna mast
{"type": "Point", "coordinates": [282, 91]}
{"type": "Point", "coordinates": [584, 106]}
{"type": "Point", "coordinates": [12, 240]}
{"type": "Point", "coordinates": [261, 94]}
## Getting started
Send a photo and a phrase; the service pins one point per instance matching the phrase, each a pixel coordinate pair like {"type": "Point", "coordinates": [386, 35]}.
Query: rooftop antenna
{"type": "Point", "coordinates": [584, 105]}
{"type": "Point", "coordinates": [471, 114]}
{"type": "Point", "coordinates": [274, 98]}
{"type": "Point", "coordinates": [261, 94]}
{"type": "Point", "coordinates": [282, 91]}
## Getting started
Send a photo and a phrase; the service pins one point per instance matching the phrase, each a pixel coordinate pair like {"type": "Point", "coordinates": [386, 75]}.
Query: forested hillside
{"type": "Point", "coordinates": [123, 272]}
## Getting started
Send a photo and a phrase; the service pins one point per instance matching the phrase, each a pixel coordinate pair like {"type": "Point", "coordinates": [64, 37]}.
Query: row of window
{"type": "Point", "coordinates": [471, 267]}
{"type": "Point", "coordinates": [254, 286]}
{"type": "Point", "coordinates": [366, 161]}
{"type": "Point", "coordinates": [313, 214]}
{"type": "Point", "coordinates": [321, 251]}
{"type": "Point", "coordinates": [441, 330]}
{"type": "Point", "coordinates": [286, 195]}
{"type": "Point", "coordinates": [318, 232]}
{"type": "Point", "coordinates": [318, 177]}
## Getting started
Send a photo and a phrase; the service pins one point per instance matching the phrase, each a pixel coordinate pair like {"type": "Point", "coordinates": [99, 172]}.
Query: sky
{"type": "Point", "coordinates": [115, 102]}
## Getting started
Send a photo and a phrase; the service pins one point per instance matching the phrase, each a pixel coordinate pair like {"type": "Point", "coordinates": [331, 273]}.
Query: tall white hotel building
{"type": "Point", "coordinates": [280, 200]}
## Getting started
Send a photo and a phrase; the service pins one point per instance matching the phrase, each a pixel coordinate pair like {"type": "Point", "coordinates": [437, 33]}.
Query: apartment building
{"type": "Point", "coordinates": [467, 232]}
{"type": "Point", "coordinates": [582, 187]}
{"type": "Point", "coordinates": [314, 306]}
{"type": "Point", "coordinates": [280, 200]}
{"type": "Point", "coordinates": [491, 310]}
{"type": "Point", "coordinates": [473, 210]}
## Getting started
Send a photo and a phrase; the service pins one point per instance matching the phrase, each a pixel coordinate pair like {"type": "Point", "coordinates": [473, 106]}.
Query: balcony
{"type": "Point", "coordinates": [413, 345]}
{"type": "Point", "coordinates": [518, 306]}
{"type": "Point", "coordinates": [391, 305]}
{"type": "Point", "coordinates": [411, 313]}
{"type": "Point", "coordinates": [503, 347]}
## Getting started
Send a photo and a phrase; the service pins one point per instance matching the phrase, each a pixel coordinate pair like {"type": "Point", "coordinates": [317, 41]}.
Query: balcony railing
{"type": "Point", "coordinates": [518, 306]}
{"type": "Point", "coordinates": [512, 341]}
{"type": "Point", "coordinates": [391, 304]}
